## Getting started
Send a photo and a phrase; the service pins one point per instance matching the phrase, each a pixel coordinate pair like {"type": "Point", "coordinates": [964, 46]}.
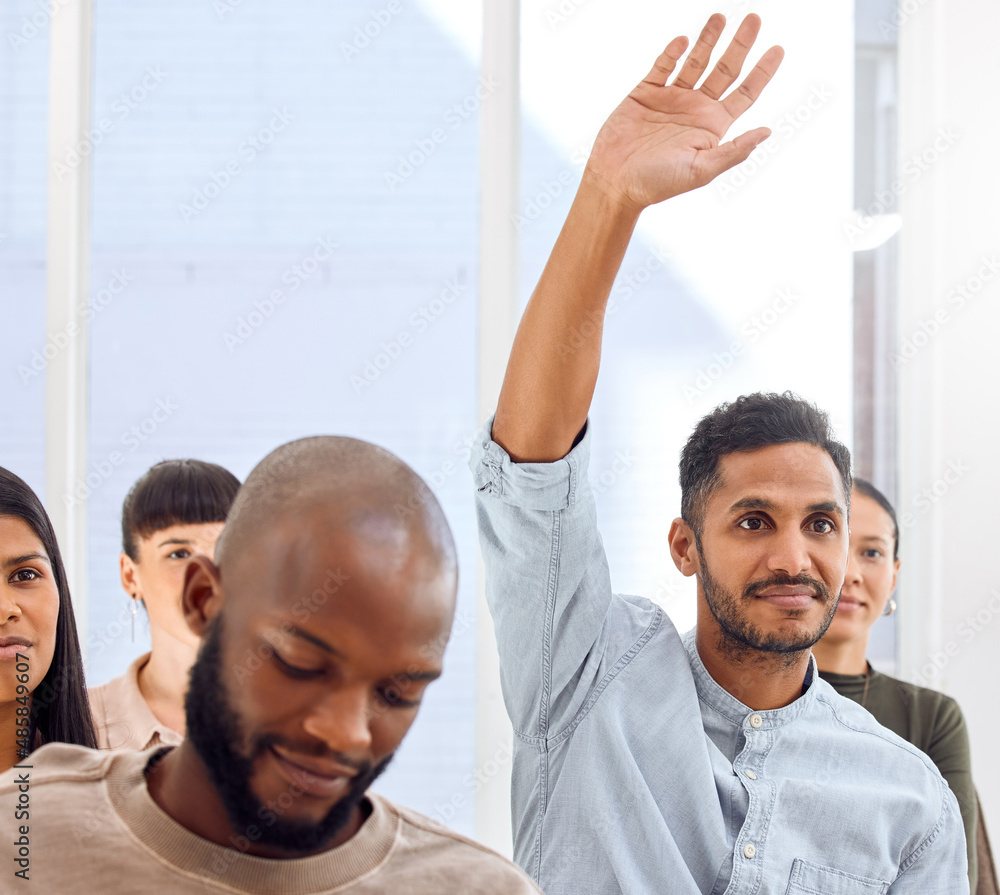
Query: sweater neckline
{"type": "Point", "coordinates": [189, 854]}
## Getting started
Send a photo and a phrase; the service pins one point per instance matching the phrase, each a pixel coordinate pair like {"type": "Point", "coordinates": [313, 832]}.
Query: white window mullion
{"type": "Point", "coordinates": [499, 305]}
{"type": "Point", "coordinates": [67, 266]}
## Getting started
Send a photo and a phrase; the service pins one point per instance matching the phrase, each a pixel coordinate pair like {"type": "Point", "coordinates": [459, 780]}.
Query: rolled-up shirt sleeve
{"type": "Point", "coordinates": [547, 581]}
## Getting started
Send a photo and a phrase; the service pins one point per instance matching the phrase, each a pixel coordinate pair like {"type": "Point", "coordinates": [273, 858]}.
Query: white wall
{"type": "Point", "coordinates": [949, 389]}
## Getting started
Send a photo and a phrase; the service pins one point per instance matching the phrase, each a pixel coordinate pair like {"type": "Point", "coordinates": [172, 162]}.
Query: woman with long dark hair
{"type": "Point", "coordinates": [43, 698]}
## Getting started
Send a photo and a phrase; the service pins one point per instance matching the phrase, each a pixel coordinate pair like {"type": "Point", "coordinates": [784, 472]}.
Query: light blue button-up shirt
{"type": "Point", "coordinates": [635, 772]}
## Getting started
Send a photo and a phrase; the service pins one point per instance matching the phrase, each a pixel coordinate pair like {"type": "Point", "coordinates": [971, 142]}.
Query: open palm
{"type": "Point", "coordinates": [663, 139]}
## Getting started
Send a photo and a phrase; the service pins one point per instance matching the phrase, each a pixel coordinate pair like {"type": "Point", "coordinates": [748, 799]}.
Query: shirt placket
{"type": "Point", "coordinates": [748, 854]}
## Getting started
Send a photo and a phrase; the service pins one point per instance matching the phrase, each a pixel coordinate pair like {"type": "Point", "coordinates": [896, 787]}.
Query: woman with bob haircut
{"type": "Point", "coordinates": [43, 698]}
{"type": "Point", "coordinates": [175, 510]}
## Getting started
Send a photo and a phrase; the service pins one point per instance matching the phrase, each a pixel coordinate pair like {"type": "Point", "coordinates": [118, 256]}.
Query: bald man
{"type": "Point", "coordinates": [324, 619]}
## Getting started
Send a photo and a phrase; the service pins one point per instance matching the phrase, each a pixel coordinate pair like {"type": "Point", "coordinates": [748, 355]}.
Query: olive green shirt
{"type": "Point", "coordinates": [930, 721]}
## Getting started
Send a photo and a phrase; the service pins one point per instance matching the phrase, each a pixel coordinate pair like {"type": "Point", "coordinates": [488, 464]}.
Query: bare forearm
{"type": "Point", "coordinates": [661, 141]}
{"type": "Point", "coordinates": [556, 354]}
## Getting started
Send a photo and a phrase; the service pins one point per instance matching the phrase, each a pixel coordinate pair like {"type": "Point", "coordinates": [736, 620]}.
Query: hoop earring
{"type": "Point", "coordinates": [133, 608]}
{"type": "Point", "coordinates": [890, 607]}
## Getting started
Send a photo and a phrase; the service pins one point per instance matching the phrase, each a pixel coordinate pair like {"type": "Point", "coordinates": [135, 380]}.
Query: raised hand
{"type": "Point", "coordinates": [664, 139]}
{"type": "Point", "coordinates": [661, 141]}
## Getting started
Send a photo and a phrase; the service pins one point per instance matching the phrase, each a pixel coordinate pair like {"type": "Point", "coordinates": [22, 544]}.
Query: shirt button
{"type": "Point", "coordinates": [751, 775]}
{"type": "Point", "coordinates": [756, 721]}
{"type": "Point", "coordinates": [749, 851]}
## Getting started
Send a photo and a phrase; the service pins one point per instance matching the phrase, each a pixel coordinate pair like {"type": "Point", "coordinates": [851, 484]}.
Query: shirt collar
{"type": "Point", "coordinates": [727, 705]}
{"type": "Point", "coordinates": [146, 729]}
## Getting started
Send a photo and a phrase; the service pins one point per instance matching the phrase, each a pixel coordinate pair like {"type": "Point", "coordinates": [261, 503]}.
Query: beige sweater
{"type": "Point", "coordinates": [91, 826]}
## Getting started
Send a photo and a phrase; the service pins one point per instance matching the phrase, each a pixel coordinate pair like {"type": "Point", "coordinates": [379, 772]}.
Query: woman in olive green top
{"type": "Point", "coordinates": [929, 720]}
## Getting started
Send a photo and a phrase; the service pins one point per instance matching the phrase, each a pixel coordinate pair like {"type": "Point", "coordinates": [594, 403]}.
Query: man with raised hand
{"type": "Point", "coordinates": [719, 761]}
{"type": "Point", "coordinates": [324, 619]}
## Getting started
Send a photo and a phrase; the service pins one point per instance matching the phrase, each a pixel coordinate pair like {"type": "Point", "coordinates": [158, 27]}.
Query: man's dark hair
{"type": "Point", "coordinates": [865, 487]}
{"type": "Point", "coordinates": [60, 710]}
{"type": "Point", "coordinates": [747, 424]}
{"type": "Point", "coordinates": [176, 492]}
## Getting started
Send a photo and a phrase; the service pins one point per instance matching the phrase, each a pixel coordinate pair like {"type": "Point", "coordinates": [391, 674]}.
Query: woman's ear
{"type": "Point", "coordinates": [202, 595]}
{"type": "Point", "coordinates": [131, 583]}
{"type": "Point", "coordinates": [684, 548]}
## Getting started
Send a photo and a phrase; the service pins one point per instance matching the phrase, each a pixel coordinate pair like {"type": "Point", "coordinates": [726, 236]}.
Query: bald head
{"type": "Point", "coordinates": [352, 485]}
{"type": "Point", "coordinates": [325, 616]}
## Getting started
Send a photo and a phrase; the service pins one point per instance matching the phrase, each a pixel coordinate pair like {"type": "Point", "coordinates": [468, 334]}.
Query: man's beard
{"type": "Point", "coordinates": [740, 638]}
{"type": "Point", "coordinates": [213, 727]}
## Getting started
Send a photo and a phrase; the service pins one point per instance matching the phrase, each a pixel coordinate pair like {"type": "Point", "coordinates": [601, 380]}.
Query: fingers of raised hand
{"type": "Point", "coordinates": [698, 59]}
{"type": "Point", "coordinates": [666, 62]}
{"type": "Point", "coordinates": [727, 69]}
{"type": "Point", "coordinates": [721, 158]}
{"type": "Point", "coordinates": [743, 97]}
